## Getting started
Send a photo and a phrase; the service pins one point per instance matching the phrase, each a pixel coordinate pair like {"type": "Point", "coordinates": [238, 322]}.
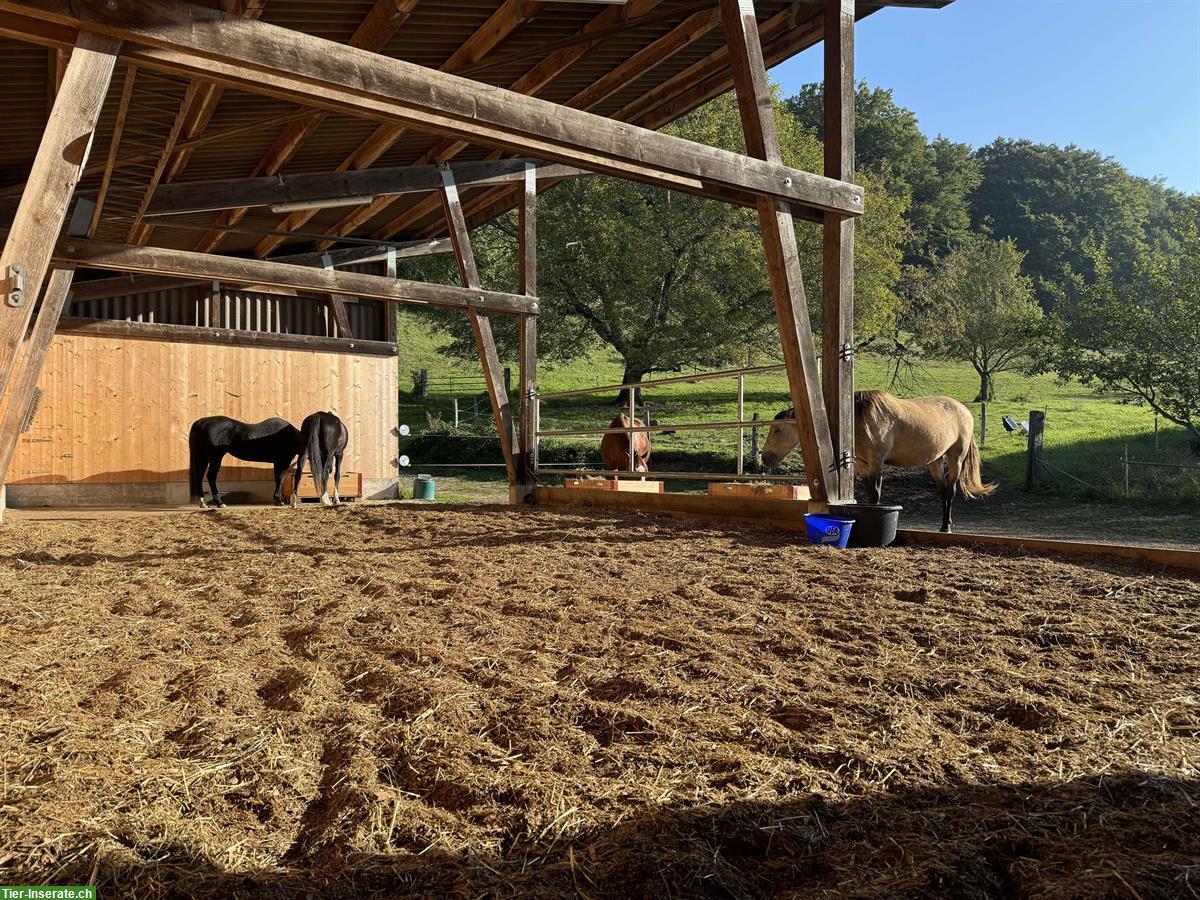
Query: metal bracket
{"type": "Point", "coordinates": [13, 285]}
{"type": "Point", "coordinates": [846, 353]}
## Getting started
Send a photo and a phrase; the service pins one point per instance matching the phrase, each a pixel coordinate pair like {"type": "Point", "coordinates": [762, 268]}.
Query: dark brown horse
{"type": "Point", "coordinates": [614, 448]}
{"type": "Point", "coordinates": [938, 432]}
{"type": "Point", "coordinates": [210, 439]}
{"type": "Point", "coordinates": [323, 440]}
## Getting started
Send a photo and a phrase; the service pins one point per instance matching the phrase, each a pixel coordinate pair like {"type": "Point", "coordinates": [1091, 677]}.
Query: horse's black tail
{"type": "Point", "coordinates": [316, 461]}
{"type": "Point", "coordinates": [197, 460]}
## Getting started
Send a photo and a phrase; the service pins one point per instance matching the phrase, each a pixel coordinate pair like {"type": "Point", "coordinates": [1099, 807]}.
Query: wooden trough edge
{"type": "Point", "coordinates": [756, 510]}
{"type": "Point", "coordinates": [1163, 556]}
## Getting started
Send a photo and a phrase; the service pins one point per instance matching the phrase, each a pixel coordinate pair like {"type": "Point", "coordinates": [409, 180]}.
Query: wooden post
{"type": "Point", "coordinates": [57, 289]}
{"type": "Point", "coordinates": [837, 247]}
{"type": "Point", "coordinates": [1033, 460]}
{"type": "Point", "coordinates": [481, 325]}
{"type": "Point", "coordinates": [337, 306]}
{"type": "Point", "coordinates": [779, 243]}
{"type": "Point", "coordinates": [527, 353]}
{"type": "Point", "coordinates": [60, 159]}
{"type": "Point", "coordinates": [741, 416]}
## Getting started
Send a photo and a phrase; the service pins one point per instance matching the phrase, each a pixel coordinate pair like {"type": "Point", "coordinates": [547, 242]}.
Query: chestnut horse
{"type": "Point", "coordinates": [614, 448]}
{"type": "Point", "coordinates": [938, 432]}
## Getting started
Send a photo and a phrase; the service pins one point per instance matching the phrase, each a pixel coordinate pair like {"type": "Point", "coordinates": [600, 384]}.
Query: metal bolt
{"type": "Point", "coordinates": [16, 298]}
{"type": "Point", "coordinates": [111, 4]}
{"type": "Point", "coordinates": [787, 182]}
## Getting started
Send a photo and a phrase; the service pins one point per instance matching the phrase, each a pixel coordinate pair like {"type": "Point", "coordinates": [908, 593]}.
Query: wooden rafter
{"type": "Point", "coordinates": [485, 39]}
{"type": "Point", "coordinates": [779, 243]}
{"type": "Point", "coordinates": [132, 284]}
{"type": "Point", "coordinates": [699, 83]}
{"type": "Point", "coordinates": [530, 83]}
{"type": "Point", "coordinates": [208, 196]}
{"type": "Point", "coordinates": [311, 279]}
{"type": "Point", "coordinates": [139, 232]}
{"type": "Point", "coordinates": [278, 62]}
{"type": "Point", "coordinates": [376, 29]}
{"type": "Point", "coordinates": [114, 146]}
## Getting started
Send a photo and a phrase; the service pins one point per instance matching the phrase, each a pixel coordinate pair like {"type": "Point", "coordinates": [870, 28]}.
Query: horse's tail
{"type": "Point", "coordinates": [969, 478]}
{"type": "Point", "coordinates": [197, 460]}
{"type": "Point", "coordinates": [316, 463]}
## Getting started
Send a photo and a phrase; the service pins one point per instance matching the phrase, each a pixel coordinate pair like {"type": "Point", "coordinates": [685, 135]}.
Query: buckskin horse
{"type": "Point", "coordinates": [614, 448]}
{"type": "Point", "coordinates": [272, 440]}
{"type": "Point", "coordinates": [323, 439]}
{"type": "Point", "coordinates": [938, 432]}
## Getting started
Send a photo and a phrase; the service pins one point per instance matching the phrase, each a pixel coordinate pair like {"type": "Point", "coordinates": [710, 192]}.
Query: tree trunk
{"type": "Point", "coordinates": [987, 390]}
{"type": "Point", "coordinates": [633, 375]}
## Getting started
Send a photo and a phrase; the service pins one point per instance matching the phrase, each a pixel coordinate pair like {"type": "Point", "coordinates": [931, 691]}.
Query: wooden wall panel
{"type": "Point", "coordinates": [115, 410]}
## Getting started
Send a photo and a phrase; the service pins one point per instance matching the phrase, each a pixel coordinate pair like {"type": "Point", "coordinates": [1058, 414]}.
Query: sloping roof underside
{"type": "Point", "coordinates": [435, 30]}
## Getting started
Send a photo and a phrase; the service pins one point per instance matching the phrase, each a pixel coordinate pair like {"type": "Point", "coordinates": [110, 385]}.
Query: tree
{"type": "Point", "coordinates": [1140, 337]}
{"type": "Point", "coordinates": [1054, 202]}
{"type": "Point", "coordinates": [977, 307]}
{"type": "Point", "coordinates": [937, 178]}
{"type": "Point", "coordinates": [669, 280]}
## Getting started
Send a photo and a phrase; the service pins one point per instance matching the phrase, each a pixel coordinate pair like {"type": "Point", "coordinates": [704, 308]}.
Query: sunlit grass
{"type": "Point", "coordinates": [1085, 432]}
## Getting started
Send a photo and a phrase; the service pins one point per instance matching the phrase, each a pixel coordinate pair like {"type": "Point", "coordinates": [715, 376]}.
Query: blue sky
{"type": "Point", "coordinates": [1118, 76]}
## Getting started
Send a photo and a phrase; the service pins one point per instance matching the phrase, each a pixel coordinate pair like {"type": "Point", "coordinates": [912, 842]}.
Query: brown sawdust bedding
{"type": "Point", "coordinates": [404, 701]}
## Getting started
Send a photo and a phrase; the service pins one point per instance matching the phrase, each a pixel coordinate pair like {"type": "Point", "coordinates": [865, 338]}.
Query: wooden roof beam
{"type": "Point", "coordinates": [187, 38]}
{"type": "Point", "coordinates": [208, 196]}
{"type": "Point", "coordinates": [376, 29]}
{"type": "Point", "coordinates": [132, 284]}
{"type": "Point", "coordinates": [502, 23]}
{"type": "Point", "coordinates": [186, 264]}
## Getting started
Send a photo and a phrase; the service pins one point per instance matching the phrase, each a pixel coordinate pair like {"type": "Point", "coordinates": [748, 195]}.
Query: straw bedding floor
{"type": "Point", "coordinates": [400, 701]}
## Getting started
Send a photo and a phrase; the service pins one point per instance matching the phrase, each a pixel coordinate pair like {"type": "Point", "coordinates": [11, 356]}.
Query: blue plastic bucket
{"type": "Point", "coordinates": [830, 531]}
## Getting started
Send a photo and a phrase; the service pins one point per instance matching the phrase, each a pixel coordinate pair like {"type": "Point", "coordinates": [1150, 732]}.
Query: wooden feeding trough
{"type": "Point", "coordinates": [763, 491]}
{"type": "Point", "coordinates": [615, 484]}
{"type": "Point", "coordinates": [349, 487]}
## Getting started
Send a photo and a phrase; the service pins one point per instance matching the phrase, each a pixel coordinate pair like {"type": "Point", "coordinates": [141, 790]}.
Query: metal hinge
{"type": "Point", "coordinates": [13, 285]}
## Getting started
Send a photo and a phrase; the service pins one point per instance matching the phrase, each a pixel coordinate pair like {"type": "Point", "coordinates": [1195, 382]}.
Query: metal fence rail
{"type": "Point", "coordinates": [741, 424]}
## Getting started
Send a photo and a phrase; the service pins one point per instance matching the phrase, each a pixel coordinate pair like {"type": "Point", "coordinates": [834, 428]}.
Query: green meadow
{"type": "Point", "coordinates": [1086, 432]}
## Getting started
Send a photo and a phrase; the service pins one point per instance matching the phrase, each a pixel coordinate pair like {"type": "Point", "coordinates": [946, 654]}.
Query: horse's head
{"type": "Point", "coordinates": [782, 439]}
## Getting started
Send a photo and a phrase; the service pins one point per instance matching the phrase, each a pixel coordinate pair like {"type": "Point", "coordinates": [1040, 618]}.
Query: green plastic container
{"type": "Point", "coordinates": [424, 488]}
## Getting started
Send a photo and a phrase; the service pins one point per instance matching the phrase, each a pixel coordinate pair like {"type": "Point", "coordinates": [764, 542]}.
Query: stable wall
{"type": "Point", "coordinates": [113, 420]}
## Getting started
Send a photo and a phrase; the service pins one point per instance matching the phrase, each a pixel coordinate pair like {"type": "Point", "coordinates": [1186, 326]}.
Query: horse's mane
{"type": "Point", "coordinates": [868, 405]}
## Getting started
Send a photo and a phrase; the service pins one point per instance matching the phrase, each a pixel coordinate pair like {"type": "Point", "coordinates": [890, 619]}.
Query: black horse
{"type": "Point", "coordinates": [323, 440]}
{"type": "Point", "coordinates": [273, 440]}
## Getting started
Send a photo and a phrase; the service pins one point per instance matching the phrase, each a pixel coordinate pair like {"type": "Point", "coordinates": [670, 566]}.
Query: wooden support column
{"type": "Point", "coordinates": [837, 248]}
{"type": "Point", "coordinates": [527, 377]}
{"type": "Point", "coordinates": [61, 156]}
{"type": "Point", "coordinates": [779, 243]}
{"type": "Point", "coordinates": [488, 357]}
{"type": "Point", "coordinates": [21, 398]}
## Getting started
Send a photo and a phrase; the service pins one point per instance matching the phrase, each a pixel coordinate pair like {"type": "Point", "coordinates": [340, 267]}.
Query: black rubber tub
{"type": "Point", "coordinates": [874, 524]}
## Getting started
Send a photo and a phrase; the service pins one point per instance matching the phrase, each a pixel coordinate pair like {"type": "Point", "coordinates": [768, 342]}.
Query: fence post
{"type": "Point", "coordinates": [507, 380]}
{"type": "Point", "coordinates": [754, 444]}
{"type": "Point", "coordinates": [1125, 460]}
{"type": "Point", "coordinates": [454, 401]}
{"type": "Point", "coordinates": [475, 410]}
{"type": "Point", "coordinates": [1033, 462]}
{"type": "Point", "coordinates": [982, 423]}
{"type": "Point", "coordinates": [423, 384]}
{"type": "Point", "coordinates": [741, 415]}
{"type": "Point", "coordinates": [1156, 433]}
